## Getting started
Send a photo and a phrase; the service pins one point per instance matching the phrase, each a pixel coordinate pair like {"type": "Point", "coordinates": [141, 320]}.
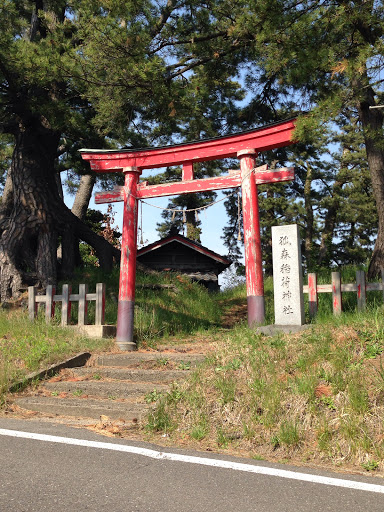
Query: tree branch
{"type": "Point", "coordinates": [167, 11]}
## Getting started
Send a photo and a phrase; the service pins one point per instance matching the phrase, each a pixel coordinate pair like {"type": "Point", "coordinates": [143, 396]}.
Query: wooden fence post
{"type": "Point", "coordinates": [336, 293]}
{"type": "Point", "coordinates": [32, 304]}
{"type": "Point", "coordinates": [66, 298]}
{"type": "Point", "coordinates": [83, 305]}
{"type": "Point", "coordinates": [100, 304]}
{"type": "Point", "coordinates": [382, 281]}
{"type": "Point", "coordinates": [49, 302]}
{"type": "Point", "coordinates": [361, 290]}
{"type": "Point", "coordinates": [65, 305]}
{"type": "Point", "coordinates": [361, 287]}
{"type": "Point", "coordinates": [312, 294]}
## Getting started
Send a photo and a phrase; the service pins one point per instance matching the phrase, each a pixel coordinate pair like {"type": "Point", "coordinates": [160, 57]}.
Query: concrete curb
{"type": "Point", "coordinates": [72, 362]}
{"type": "Point", "coordinates": [105, 389]}
{"type": "Point", "coordinates": [274, 330]}
{"type": "Point", "coordinates": [86, 408]}
{"type": "Point", "coordinates": [131, 358]}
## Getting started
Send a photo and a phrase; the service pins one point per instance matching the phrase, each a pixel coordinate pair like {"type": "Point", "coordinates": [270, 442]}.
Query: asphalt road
{"type": "Point", "coordinates": [45, 475]}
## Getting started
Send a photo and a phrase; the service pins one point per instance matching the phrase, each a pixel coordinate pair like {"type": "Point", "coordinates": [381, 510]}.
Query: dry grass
{"type": "Point", "coordinates": [27, 346]}
{"type": "Point", "coordinates": [316, 397]}
{"type": "Point", "coordinates": [159, 314]}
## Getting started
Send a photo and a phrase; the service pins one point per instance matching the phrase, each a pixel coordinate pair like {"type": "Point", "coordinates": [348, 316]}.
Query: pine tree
{"type": "Point", "coordinates": [209, 110]}
{"type": "Point", "coordinates": [328, 57]}
{"type": "Point", "coordinates": [83, 73]}
{"type": "Point", "coordinates": [355, 218]}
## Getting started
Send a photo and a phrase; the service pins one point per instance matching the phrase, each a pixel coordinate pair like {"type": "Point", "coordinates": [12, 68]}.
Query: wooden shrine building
{"type": "Point", "coordinates": [185, 256]}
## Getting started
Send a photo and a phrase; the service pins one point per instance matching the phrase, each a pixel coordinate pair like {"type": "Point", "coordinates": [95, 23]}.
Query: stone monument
{"type": "Point", "coordinates": [287, 275]}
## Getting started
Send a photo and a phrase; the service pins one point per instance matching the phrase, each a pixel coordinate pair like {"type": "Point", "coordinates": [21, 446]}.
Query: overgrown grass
{"type": "Point", "coordinates": [182, 309]}
{"type": "Point", "coordinates": [27, 346]}
{"type": "Point", "coordinates": [317, 396]}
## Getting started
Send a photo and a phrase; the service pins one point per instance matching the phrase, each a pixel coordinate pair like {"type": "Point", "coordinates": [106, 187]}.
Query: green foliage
{"type": "Point", "coordinates": [143, 73]}
{"type": "Point", "coordinates": [357, 394]}
{"type": "Point", "coordinates": [324, 59]}
{"type": "Point", "coordinates": [370, 465]}
{"type": "Point", "coordinates": [211, 103]}
{"type": "Point", "coordinates": [107, 74]}
{"type": "Point", "coordinates": [329, 55]}
{"type": "Point", "coordinates": [185, 308]}
{"type": "Point", "coordinates": [226, 385]}
{"type": "Point", "coordinates": [235, 364]}
{"type": "Point", "coordinates": [275, 441]}
{"type": "Point", "coordinates": [184, 365]}
{"type": "Point", "coordinates": [153, 396]}
{"type": "Point", "coordinates": [200, 430]}
{"type": "Point", "coordinates": [324, 436]}
{"type": "Point", "coordinates": [160, 420]}
{"type": "Point", "coordinates": [289, 433]}
{"type": "Point", "coordinates": [222, 438]}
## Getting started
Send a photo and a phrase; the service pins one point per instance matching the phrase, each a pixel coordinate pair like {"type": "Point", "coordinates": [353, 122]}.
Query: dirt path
{"type": "Point", "coordinates": [235, 314]}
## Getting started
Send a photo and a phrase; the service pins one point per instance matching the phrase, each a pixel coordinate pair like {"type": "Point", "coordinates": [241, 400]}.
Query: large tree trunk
{"type": "Point", "coordinates": [30, 230]}
{"type": "Point", "coordinates": [69, 249]}
{"type": "Point", "coordinates": [29, 236]}
{"type": "Point", "coordinates": [83, 195]}
{"type": "Point", "coordinates": [325, 251]}
{"type": "Point", "coordinates": [309, 218]}
{"type": "Point", "coordinates": [372, 123]}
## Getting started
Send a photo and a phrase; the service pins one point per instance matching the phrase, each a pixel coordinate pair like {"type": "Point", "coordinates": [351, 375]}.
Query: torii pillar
{"type": "Point", "coordinates": [127, 282]}
{"type": "Point", "coordinates": [252, 241]}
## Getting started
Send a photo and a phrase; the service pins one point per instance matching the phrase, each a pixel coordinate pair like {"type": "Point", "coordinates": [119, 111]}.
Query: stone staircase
{"type": "Point", "coordinates": [117, 386]}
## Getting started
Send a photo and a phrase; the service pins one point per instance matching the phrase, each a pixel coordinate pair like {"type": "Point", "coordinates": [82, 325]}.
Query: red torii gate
{"type": "Point", "coordinates": [245, 146]}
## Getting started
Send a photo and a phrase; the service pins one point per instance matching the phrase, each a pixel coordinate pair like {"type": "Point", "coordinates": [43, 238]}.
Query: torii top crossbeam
{"type": "Point", "coordinates": [260, 139]}
{"type": "Point", "coordinates": [244, 145]}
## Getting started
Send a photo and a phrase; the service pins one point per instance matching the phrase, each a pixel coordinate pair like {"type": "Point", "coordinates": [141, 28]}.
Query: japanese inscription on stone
{"type": "Point", "coordinates": [287, 275]}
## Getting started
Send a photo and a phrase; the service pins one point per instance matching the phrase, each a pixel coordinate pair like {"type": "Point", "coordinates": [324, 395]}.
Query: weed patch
{"type": "Point", "coordinates": [27, 346]}
{"type": "Point", "coordinates": [317, 395]}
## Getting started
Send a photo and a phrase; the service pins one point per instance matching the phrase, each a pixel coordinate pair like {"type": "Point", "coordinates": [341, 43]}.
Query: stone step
{"type": "Point", "coordinates": [134, 359]}
{"type": "Point", "coordinates": [112, 385]}
{"type": "Point", "coordinates": [105, 389]}
{"type": "Point", "coordinates": [131, 374]}
{"type": "Point", "coordinates": [87, 408]}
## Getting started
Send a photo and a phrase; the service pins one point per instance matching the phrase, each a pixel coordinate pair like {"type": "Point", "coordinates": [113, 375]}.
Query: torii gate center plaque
{"type": "Point", "coordinates": [244, 145]}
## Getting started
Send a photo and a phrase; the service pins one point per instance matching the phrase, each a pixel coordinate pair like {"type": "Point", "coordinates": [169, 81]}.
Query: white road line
{"type": "Point", "coordinates": [189, 459]}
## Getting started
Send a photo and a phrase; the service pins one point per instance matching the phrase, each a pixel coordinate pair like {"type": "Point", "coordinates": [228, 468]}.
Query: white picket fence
{"type": "Point", "coordinates": [50, 299]}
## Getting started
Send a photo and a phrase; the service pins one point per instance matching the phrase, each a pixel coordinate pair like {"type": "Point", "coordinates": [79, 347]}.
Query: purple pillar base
{"type": "Point", "coordinates": [124, 334]}
{"type": "Point", "coordinates": [256, 310]}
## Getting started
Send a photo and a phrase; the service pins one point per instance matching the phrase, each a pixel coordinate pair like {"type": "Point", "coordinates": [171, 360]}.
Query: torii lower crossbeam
{"type": "Point", "coordinates": [131, 162]}
{"type": "Point", "coordinates": [144, 191]}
